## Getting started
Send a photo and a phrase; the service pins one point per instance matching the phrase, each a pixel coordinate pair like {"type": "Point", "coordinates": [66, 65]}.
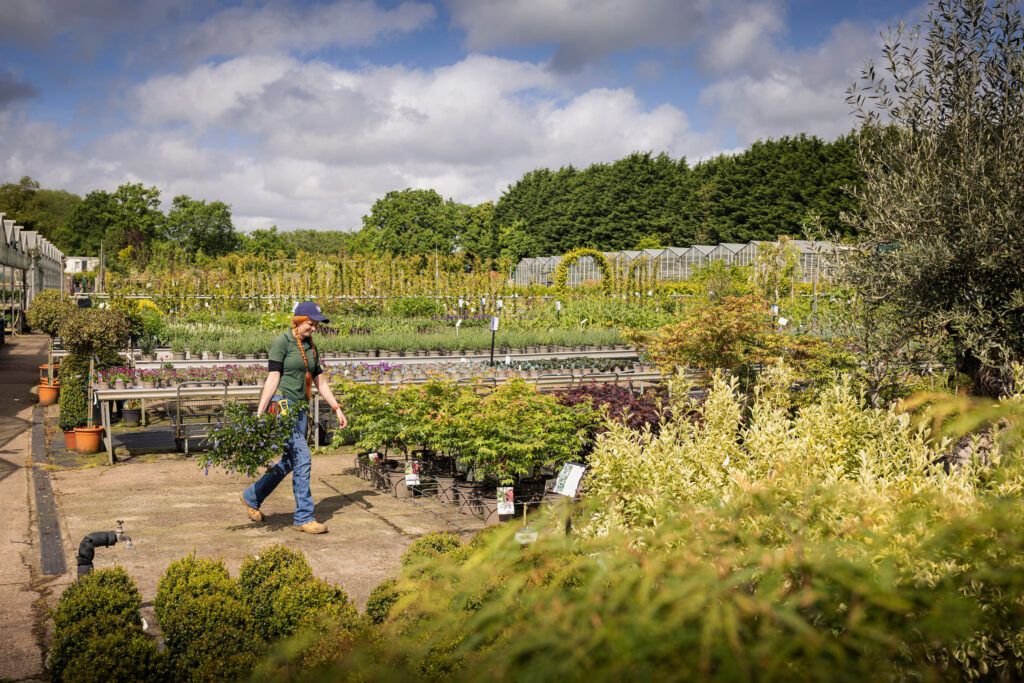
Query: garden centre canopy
{"type": "Point", "coordinates": [726, 252]}
{"type": "Point", "coordinates": [817, 261]}
{"type": "Point", "coordinates": [29, 263]}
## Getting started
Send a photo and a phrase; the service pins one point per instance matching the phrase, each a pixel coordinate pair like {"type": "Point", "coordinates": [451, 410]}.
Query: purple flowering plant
{"type": "Point", "coordinates": [247, 443]}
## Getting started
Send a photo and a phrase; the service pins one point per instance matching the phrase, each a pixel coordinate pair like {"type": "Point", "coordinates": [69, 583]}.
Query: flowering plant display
{"type": "Point", "coordinates": [247, 443]}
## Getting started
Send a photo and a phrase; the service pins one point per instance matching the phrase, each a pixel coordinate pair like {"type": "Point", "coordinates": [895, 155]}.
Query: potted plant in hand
{"type": "Point", "coordinates": [248, 443]}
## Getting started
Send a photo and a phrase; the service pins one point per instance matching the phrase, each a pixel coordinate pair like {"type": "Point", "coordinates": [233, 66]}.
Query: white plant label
{"type": "Point", "coordinates": [506, 501]}
{"type": "Point", "coordinates": [412, 473]}
{"type": "Point", "coordinates": [494, 323]}
{"type": "Point", "coordinates": [558, 305]}
{"type": "Point", "coordinates": [569, 479]}
{"type": "Point", "coordinates": [782, 321]}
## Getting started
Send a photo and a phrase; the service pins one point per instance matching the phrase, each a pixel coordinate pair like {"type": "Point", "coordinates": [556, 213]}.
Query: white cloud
{"type": "Point", "coordinates": [272, 28]}
{"type": "Point", "coordinates": [582, 30]}
{"type": "Point", "coordinates": [799, 91]}
{"type": "Point", "coordinates": [306, 144]}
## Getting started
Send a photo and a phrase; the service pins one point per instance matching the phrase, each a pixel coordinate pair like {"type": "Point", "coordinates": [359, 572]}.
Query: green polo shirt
{"type": "Point", "coordinates": [285, 356]}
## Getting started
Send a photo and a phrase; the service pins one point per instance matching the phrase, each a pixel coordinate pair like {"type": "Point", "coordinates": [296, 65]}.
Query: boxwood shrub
{"type": "Point", "coordinates": [104, 649]}
{"type": "Point", "coordinates": [209, 632]}
{"type": "Point", "coordinates": [261, 576]}
{"type": "Point", "coordinates": [106, 591]}
{"type": "Point", "coordinates": [98, 634]}
{"type": "Point", "coordinates": [381, 600]}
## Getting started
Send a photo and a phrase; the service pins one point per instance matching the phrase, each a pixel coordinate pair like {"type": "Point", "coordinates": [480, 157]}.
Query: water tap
{"type": "Point", "coordinates": [122, 537]}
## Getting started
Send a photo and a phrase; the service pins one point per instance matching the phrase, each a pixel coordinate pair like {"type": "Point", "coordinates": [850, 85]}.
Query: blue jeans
{"type": "Point", "coordinates": [298, 461]}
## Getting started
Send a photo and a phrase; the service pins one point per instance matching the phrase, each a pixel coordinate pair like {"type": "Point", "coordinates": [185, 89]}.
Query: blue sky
{"type": "Point", "coordinates": [302, 114]}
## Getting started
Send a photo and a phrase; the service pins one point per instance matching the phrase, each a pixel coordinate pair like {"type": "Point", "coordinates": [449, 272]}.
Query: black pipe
{"type": "Point", "coordinates": [86, 549]}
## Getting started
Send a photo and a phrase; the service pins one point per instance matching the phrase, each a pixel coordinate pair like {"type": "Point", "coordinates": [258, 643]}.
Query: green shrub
{"type": "Point", "coordinates": [323, 637]}
{"type": "Point", "coordinates": [47, 311]}
{"type": "Point", "coordinates": [417, 307]}
{"type": "Point", "coordinates": [100, 610]}
{"type": "Point", "coordinates": [262, 575]}
{"type": "Point", "coordinates": [426, 549]}
{"type": "Point", "coordinates": [296, 597]}
{"type": "Point", "coordinates": [209, 632]}
{"type": "Point", "coordinates": [382, 599]}
{"type": "Point", "coordinates": [74, 390]}
{"type": "Point", "coordinates": [212, 637]}
{"type": "Point", "coordinates": [106, 591]}
{"type": "Point", "coordinates": [187, 578]}
{"type": "Point", "coordinates": [102, 648]}
{"type": "Point", "coordinates": [86, 330]}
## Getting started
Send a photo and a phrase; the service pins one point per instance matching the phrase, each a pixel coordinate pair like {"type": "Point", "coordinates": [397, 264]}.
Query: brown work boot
{"type": "Point", "coordinates": [313, 527]}
{"type": "Point", "coordinates": [254, 514]}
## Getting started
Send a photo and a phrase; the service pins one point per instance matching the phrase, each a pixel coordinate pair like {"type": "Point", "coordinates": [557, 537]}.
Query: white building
{"type": "Point", "coordinates": [81, 264]}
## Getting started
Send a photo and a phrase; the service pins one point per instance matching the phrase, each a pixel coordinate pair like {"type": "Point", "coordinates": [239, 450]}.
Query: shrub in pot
{"type": "Point", "coordinates": [131, 413]}
{"type": "Point", "coordinates": [516, 429]}
{"type": "Point", "coordinates": [46, 313]}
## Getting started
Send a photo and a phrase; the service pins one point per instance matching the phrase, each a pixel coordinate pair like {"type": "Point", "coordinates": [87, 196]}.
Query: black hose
{"type": "Point", "coordinates": [86, 549]}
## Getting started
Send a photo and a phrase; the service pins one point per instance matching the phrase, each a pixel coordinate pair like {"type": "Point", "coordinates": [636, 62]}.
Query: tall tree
{"type": "Point", "coordinates": [199, 226]}
{"type": "Point", "coordinates": [942, 204]}
{"type": "Point", "coordinates": [479, 235]}
{"type": "Point", "coordinates": [86, 225]}
{"type": "Point", "coordinates": [409, 222]}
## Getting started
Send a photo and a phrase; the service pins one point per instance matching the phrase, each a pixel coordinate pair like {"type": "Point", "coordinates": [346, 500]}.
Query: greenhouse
{"type": "Point", "coordinates": [28, 264]}
{"type": "Point", "coordinates": [677, 263]}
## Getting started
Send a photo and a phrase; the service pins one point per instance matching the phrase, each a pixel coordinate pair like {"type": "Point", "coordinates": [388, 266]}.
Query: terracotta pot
{"type": "Point", "coordinates": [48, 394]}
{"type": "Point", "coordinates": [44, 372]}
{"type": "Point", "coordinates": [87, 439]}
{"type": "Point", "coordinates": [69, 439]}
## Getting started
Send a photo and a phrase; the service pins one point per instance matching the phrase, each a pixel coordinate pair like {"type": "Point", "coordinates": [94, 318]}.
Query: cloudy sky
{"type": "Point", "coordinates": [302, 114]}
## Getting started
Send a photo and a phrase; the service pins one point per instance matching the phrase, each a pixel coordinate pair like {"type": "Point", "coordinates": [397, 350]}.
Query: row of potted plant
{"type": "Point", "coordinates": [253, 343]}
{"type": "Point", "coordinates": [123, 377]}
{"type": "Point", "coordinates": [468, 443]}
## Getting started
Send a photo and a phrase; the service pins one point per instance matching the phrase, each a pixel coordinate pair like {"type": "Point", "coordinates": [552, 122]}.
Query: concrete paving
{"type": "Point", "coordinates": [23, 591]}
{"type": "Point", "coordinates": [170, 508]}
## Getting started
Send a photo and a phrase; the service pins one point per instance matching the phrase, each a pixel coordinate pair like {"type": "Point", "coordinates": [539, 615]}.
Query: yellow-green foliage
{"type": "Point", "coordinates": [754, 542]}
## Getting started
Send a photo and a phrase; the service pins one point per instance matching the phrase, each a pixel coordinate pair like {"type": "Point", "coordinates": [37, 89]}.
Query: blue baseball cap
{"type": "Point", "coordinates": [310, 310]}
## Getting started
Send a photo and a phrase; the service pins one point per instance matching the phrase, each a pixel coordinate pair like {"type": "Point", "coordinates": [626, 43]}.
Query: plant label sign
{"type": "Point", "coordinates": [494, 323]}
{"type": "Point", "coordinates": [164, 355]}
{"type": "Point", "coordinates": [412, 473]}
{"type": "Point", "coordinates": [558, 305]}
{"type": "Point", "coordinates": [506, 501]}
{"type": "Point", "coordinates": [569, 479]}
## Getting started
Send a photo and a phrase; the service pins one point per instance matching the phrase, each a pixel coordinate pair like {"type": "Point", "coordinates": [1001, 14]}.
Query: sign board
{"type": "Point", "coordinates": [569, 479]}
{"type": "Point", "coordinates": [412, 473]}
{"type": "Point", "coordinates": [506, 501]}
{"type": "Point", "coordinates": [494, 323]}
{"type": "Point", "coordinates": [164, 355]}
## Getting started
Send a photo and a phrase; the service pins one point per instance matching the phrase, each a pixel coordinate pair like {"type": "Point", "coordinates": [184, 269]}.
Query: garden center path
{"type": "Point", "coordinates": [21, 583]}
{"type": "Point", "coordinates": [171, 508]}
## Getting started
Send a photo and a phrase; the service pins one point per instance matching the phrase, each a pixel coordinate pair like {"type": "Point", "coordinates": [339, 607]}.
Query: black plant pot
{"type": "Point", "coordinates": [131, 417]}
